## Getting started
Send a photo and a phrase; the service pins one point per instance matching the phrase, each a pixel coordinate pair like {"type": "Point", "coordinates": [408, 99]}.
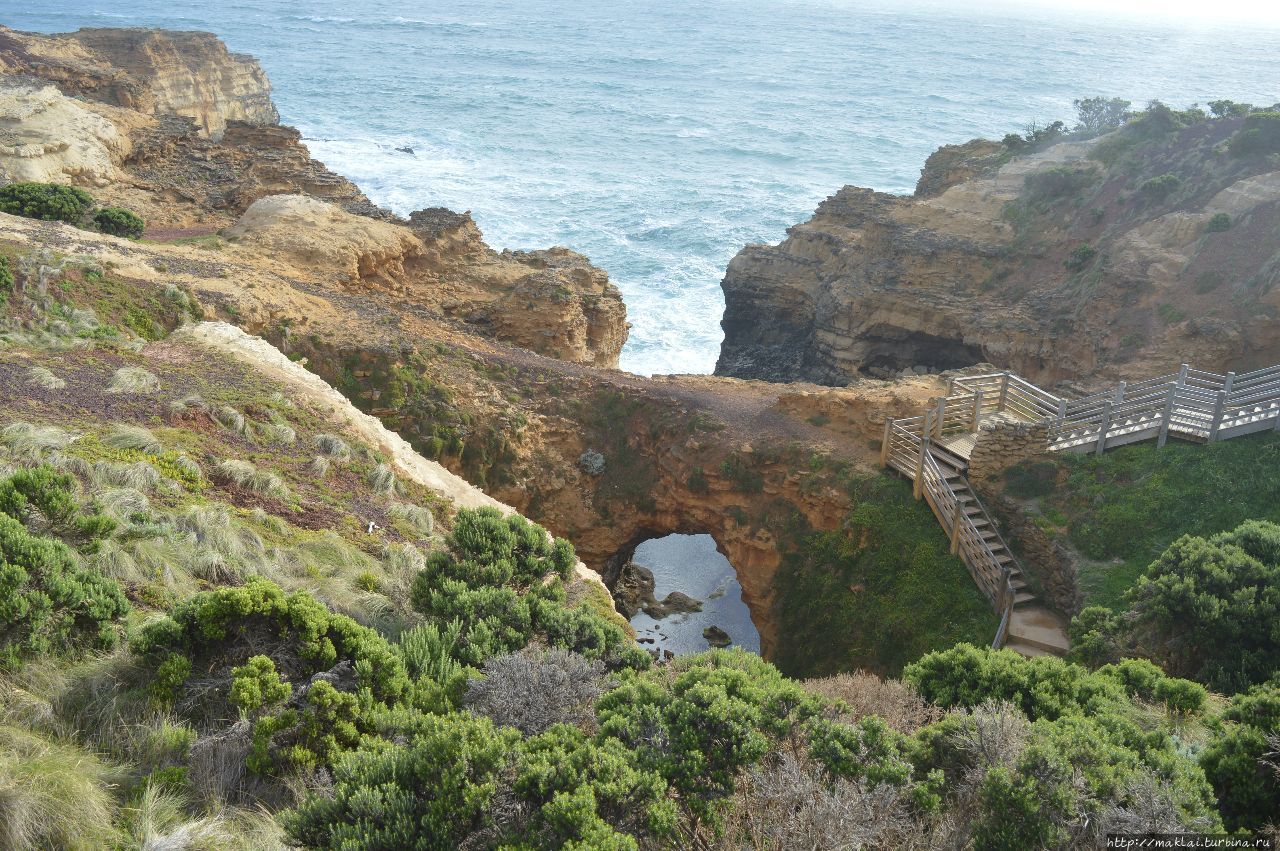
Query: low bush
{"type": "Point", "coordinates": [118, 221]}
{"type": "Point", "coordinates": [1218, 223]}
{"type": "Point", "coordinates": [46, 498]}
{"type": "Point", "coordinates": [1160, 188]}
{"type": "Point", "coordinates": [1081, 256]}
{"type": "Point", "coordinates": [1248, 789]}
{"type": "Point", "coordinates": [48, 601]}
{"type": "Point", "coordinates": [536, 689]}
{"type": "Point", "coordinates": [1259, 136]}
{"type": "Point", "coordinates": [47, 201]}
{"type": "Point", "coordinates": [1057, 183]}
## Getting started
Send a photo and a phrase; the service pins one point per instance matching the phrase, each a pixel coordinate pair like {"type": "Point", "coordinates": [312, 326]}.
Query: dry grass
{"type": "Point", "coordinates": [858, 694]}
{"type": "Point", "coordinates": [52, 795]}
{"type": "Point", "coordinates": [417, 518]}
{"type": "Point", "coordinates": [381, 479]}
{"type": "Point", "coordinates": [244, 474]}
{"type": "Point", "coordinates": [332, 446]}
{"type": "Point", "coordinates": [44, 378]}
{"type": "Point", "coordinates": [133, 380]}
{"type": "Point", "coordinates": [135, 437]}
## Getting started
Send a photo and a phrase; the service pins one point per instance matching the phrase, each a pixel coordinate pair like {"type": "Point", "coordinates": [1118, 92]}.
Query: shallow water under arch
{"type": "Point", "coordinates": [692, 565]}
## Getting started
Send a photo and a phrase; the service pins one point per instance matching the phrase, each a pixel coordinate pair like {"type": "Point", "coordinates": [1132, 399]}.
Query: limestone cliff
{"type": "Point", "coordinates": [156, 72]}
{"type": "Point", "coordinates": [1086, 259]}
{"type": "Point", "coordinates": [176, 128]}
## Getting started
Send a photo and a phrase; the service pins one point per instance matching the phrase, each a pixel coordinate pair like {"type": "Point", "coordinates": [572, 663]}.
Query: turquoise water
{"type": "Point", "coordinates": [659, 137]}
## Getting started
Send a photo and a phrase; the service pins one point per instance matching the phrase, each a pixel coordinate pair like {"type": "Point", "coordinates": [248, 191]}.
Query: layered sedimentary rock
{"type": "Point", "coordinates": [179, 130]}
{"type": "Point", "coordinates": [156, 72]}
{"type": "Point", "coordinates": [1083, 259]}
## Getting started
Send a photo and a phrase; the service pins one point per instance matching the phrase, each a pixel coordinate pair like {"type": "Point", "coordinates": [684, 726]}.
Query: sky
{"type": "Point", "coordinates": [1199, 11]}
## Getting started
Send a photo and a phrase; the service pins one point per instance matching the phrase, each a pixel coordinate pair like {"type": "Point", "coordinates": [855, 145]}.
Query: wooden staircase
{"type": "Point", "coordinates": [933, 451]}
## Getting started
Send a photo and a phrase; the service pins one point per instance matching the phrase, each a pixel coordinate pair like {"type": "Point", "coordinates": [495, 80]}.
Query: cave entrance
{"type": "Point", "coordinates": [893, 352]}
{"type": "Point", "coordinates": [686, 570]}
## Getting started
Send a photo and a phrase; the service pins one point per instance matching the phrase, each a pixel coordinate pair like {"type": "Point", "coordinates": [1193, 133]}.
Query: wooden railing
{"type": "Point", "coordinates": [1189, 403]}
{"type": "Point", "coordinates": [907, 447]}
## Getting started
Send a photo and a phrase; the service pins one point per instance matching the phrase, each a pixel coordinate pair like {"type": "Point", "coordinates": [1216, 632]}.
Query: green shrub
{"type": "Point", "coordinates": [501, 580]}
{"type": "Point", "coordinates": [431, 793]}
{"type": "Point", "coordinates": [49, 494]}
{"type": "Point", "coordinates": [1099, 114]}
{"type": "Point", "coordinates": [1058, 182]}
{"type": "Point", "coordinates": [1218, 223]}
{"type": "Point", "coordinates": [1209, 606]}
{"type": "Point", "coordinates": [1260, 136]}
{"type": "Point", "coordinates": [47, 201]}
{"type": "Point", "coordinates": [256, 684]}
{"type": "Point", "coordinates": [1160, 188]}
{"type": "Point", "coordinates": [1031, 479]}
{"type": "Point", "coordinates": [1080, 257]}
{"type": "Point", "coordinates": [118, 221]}
{"type": "Point", "coordinates": [1042, 687]}
{"type": "Point", "coordinates": [48, 601]}
{"type": "Point", "coordinates": [1095, 636]}
{"type": "Point", "coordinates": [309, 638]}
{"type": "Point", "coordinates": [717, 715]}
{"type": "Point", "coordinates": [309, 738]}
{"type": "Point", "coordinates": [1180, 696]}
{"type": "Point", "coordinates": [1248, 790]}
{"type": "Point", "coordinates": [6, 280]}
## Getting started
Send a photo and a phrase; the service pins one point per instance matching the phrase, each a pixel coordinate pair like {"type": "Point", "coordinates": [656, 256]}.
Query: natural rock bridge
{"type": "Point", "coordinates": [1002, 419]}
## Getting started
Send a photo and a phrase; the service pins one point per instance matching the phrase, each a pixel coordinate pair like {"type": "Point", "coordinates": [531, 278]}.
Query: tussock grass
{"type": "Point", "coordinates": [319, 467]}
{"type": "Point", "coordinates": [125, 436]}
{"type": "Point", "coordinates": [244, 474]}
{"type": "Point", "coordinates": [419, 519]}
{"type": "Point", "coordinates": [44, 378]}
{"type": "Point", "coordinates": [52, 795]}
{"type": "Point", "coordinates": [133, 380]}
{"type": "Point", "coordinates": [124, 503]}
{"type": "Point", "coordinates": [282, 435]}
{"type": "Point", "coordinates": [31, 441]}
{"type": "Point", "coordinates": [192, 401]}
{"type": "Point", "coordinates": [381, 479]}
{"type": "Point", "coordinates": [161, 823]}
{"type": "Point", "coordinates": [231, 419]}
{"type": "Point", "coordinates": [332, 446]}
{"type": "Point", "coordinates": [115, 561]}
{"type": "Point", "coordinates": [139, 475]}
{"type": "Point", "coordinates": [189, 467]}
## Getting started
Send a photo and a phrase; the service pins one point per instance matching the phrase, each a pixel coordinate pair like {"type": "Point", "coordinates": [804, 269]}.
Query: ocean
{"type": "Point", "coordinates": [660, 136]}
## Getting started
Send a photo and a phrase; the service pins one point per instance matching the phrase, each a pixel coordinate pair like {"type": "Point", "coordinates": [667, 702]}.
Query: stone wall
{"type": "Point", "coordinates": [1000, 445]}
{"type": "Point", "coordinates": [1047, 562]}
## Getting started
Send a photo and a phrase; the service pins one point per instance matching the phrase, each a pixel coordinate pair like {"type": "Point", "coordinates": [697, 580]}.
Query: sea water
{"type": "Point", "coordinates": [660, 136]}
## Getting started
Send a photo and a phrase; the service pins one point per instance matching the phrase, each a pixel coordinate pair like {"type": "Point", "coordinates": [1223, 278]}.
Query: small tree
{"type": "Point", "coordinates": [1099, 115]}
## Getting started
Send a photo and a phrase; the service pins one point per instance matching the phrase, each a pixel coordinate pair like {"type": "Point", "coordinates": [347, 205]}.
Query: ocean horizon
{"type": "Point", "coordinates": [661, 137]}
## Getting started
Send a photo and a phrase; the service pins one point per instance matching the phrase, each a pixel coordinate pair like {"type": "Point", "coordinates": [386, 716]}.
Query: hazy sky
{"type": "Point", "coordinates": [1199, 10]}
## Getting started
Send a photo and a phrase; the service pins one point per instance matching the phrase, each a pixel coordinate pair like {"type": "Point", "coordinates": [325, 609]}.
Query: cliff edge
{"type": "Point", "coordinates": [1123, 254]}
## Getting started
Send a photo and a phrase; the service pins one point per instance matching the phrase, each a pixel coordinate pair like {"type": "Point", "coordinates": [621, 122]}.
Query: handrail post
{"type": "Point", "coordinates": [1062, 412]}
{"type": "Point", "coordinates": [1120, 388]}
{"type": "Point", "coordinates": [884, 444]}
{"type": "Point", "coordinates": [1103, 426]}
{"type": "Point", "coordinates": [1219, 400]}
{"type": "Point", "coordinates": [1168, 415]}
{"type": "Point", "coordinates": [1228, 383]}
{"type": "Point", "coordinates": [977, 408]}
{"type": "Point", "coordinates": [918, 487]}
{"type": "Point", "coordinates": [1182, 375]}
{"type": "Point", "coordinates": [941, 418]}
{"type": "Point", "coordinates": [957, 516]}
{"type": "Point", "coordinates": [1004, 390]}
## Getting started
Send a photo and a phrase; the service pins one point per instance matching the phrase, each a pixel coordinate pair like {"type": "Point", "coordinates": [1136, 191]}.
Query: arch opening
{"type": "Point", "coordinates": [682, 596]}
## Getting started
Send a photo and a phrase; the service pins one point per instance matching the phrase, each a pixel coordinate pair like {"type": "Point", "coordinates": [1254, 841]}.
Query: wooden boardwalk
{"type": "Point", "coordinates": [933, 451]}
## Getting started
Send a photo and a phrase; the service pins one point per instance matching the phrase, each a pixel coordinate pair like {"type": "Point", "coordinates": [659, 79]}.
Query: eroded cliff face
{"type": "Point", "coordinates": [1082, 261]}
{"type": "Point", "coordinates": [155, 72]}
{"type": "Point", "coordinates": [174, 127]}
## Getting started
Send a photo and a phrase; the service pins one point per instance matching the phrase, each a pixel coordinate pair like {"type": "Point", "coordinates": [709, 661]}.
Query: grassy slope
{"type": "Point", "coordinates": [1122, 509]}
{"type": "Point", "coordinates": [879, 592]}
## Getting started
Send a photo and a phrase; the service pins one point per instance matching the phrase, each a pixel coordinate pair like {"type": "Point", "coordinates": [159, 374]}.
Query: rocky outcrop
{"type": "Point", "coordinates": [47, 137]}
{"type": "Point", "coordinates": [324, 239]}
{"type": "Point", "coordinates": [1079, 260]}
{"type": "Point", "coordinates": [155, 72]}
